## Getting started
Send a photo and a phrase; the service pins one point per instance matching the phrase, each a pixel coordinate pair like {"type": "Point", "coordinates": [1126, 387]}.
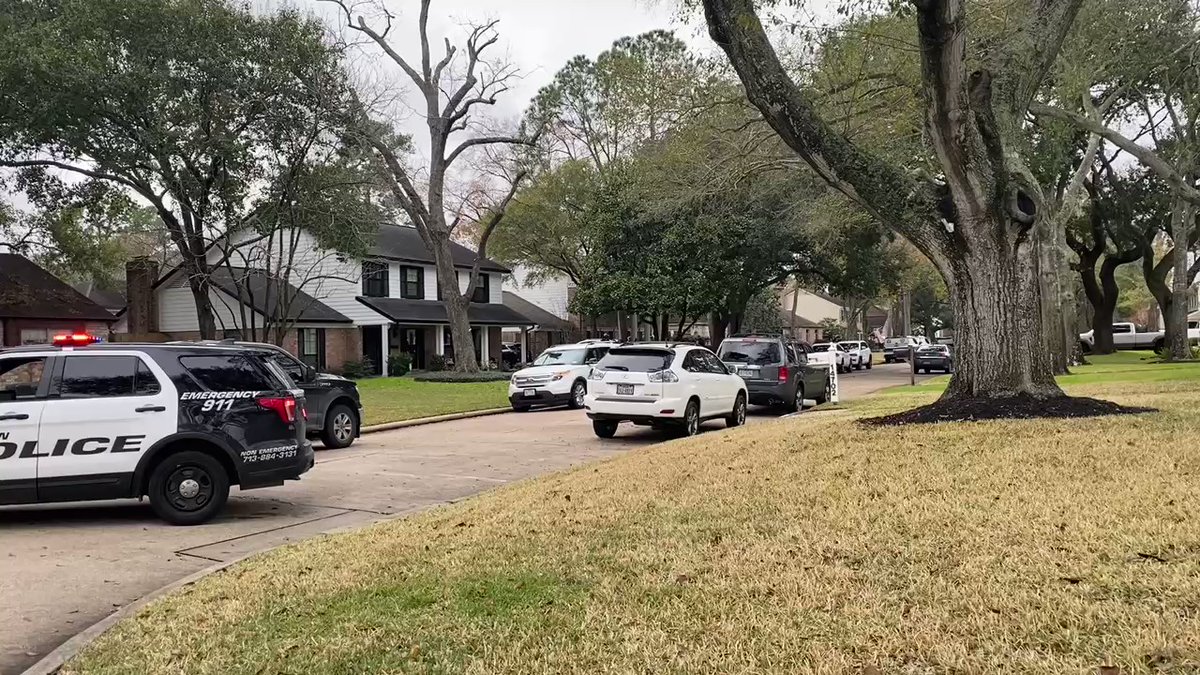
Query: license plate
{"type": "Point", "coordinates": [748, 374]}
{"type": "Point", "coordinates": [530, 393]}
{"type": "Point", "coordinates": [626, 389]}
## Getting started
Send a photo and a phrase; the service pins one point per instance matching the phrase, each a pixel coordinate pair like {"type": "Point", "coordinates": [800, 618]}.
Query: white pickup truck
{"type": "Point", "coordinates": [1126, 336]}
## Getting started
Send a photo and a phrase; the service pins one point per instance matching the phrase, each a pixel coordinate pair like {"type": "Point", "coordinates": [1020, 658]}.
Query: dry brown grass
{"type": "Point", "coordinates": [806, 545]}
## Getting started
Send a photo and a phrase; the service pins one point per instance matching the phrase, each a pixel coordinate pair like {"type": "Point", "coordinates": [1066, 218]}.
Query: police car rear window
{"type": "Point", "coordinates": [228, 373]}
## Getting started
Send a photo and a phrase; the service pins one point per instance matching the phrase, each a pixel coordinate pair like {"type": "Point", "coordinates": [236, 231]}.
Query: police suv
{"type": "Point", "coordinates": [176, 423]}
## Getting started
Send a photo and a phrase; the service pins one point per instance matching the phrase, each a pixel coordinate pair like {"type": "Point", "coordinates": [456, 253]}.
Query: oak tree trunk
{"type": "Point", "coordinates": [198, 282]}
{"type": "Point", "coordinates": [465, 360]}
{"type": "Point", "coordinates": [999, 339]}
{"type": "Point", "coordinates": [1177, 347]}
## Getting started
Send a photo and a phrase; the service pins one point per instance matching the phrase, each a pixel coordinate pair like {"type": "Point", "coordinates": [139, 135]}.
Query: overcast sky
{"type": "Point", "coordinates": [536, 36]}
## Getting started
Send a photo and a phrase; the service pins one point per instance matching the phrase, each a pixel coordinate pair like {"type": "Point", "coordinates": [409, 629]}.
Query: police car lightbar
{"type": "Point", "coordinates": [74, 340]}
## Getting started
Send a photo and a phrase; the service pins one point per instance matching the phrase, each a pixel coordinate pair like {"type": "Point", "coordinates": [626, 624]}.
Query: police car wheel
{"type": "Point", "coordinates": [341, 427]}
{"type": "Point", "coordinates": [188, 488]}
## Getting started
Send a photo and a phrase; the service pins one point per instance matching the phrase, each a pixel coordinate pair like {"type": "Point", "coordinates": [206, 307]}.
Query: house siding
{"type": "Point", "coordinates": [552, 295]}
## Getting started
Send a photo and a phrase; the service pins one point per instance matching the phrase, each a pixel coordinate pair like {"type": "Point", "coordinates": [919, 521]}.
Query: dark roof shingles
{"type": "Point", "coordinates": [29, 292]}
{"type": "Point", "coordinates": [262, 293]}
{"type": "Point", "coordinates": [401, 310]}
{"type": "Point", "coordinates": [398, 242]}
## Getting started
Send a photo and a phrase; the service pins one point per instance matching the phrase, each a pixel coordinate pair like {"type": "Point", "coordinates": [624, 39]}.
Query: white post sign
{"type": "Point", "coordinates": [833, 382]}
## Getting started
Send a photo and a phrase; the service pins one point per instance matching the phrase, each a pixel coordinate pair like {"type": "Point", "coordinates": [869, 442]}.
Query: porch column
{"type": "Point", "coordinates": [439, 335]}
{"type": "Point", "coordinates": [384, 348]}
{"type": "Point", "coordinates": [524, 357]}
{"type": "Point", "coordinates": [484, 337]}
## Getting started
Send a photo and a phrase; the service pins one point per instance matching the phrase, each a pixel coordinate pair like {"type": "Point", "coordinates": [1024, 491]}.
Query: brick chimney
{"type": "Point", "coordinates": [141, 311]}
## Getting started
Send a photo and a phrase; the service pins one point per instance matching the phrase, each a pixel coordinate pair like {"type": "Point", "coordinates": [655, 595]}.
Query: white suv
{"type": "Point", "coordinates": [663, 386]}
{"type": "Point", "coordinates": [831, 354]}
{"type": "Point", "coordinates": [860, 353]}
{"type": "Point", "coordinates": [556, 377]}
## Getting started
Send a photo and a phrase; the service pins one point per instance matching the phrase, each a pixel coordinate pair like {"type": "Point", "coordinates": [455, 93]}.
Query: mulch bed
{"type": "Point", "coordinates": [1010, 408]}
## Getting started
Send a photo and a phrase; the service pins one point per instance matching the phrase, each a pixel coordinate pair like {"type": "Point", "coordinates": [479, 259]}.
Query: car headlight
{"type": "Point", "coordinates": [559, 375]}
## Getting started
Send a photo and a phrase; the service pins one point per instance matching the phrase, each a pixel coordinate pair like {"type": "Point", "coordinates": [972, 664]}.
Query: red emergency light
{"type": "Point", "coordinates": [74, 340]}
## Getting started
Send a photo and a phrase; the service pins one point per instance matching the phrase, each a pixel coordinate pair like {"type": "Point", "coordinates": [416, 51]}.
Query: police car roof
{"type": "Point", "coordinates": [130, 346]}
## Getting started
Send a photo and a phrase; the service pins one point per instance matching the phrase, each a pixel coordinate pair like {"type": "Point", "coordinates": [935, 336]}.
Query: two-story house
{"type": "Point", "coordinates": [334, 309]}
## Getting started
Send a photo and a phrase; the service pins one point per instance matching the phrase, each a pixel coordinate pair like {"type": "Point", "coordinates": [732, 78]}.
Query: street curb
{"type": "Point", "coordinates": [388, 426]}
{"type": "Point", "coordinates": [58, 657]}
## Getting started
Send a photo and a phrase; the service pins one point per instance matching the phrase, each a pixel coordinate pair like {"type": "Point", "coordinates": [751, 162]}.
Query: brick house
{"type": "Point", "coordinates": [36, 305]}
{"type": "Point", "coordinates": [336, 309]}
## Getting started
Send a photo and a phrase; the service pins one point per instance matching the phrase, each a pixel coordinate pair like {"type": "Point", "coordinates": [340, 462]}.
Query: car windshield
{"type": "Point", "coordinates": [561, 357]}
{"type": "Point", "coordinates": [896, 342]}
{"type": "Point", "coordinates": [749, 351]}
{"type": "Point", "coordinates": [822, 347]}
{"type": "Point", "coordinates": [848, 345]}
{"type": "Point", "coordinates": [636, 360]}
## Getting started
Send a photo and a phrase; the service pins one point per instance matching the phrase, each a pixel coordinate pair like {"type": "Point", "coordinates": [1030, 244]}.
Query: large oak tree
{"type": "Point", "coordinates": [976, 221]}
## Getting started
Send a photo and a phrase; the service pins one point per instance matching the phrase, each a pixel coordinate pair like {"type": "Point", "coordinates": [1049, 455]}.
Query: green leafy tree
{"type": "Point", "coordinates": [180, 103]}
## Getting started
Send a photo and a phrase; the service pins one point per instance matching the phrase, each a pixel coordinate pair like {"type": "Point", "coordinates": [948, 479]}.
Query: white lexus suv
{"type": "Point", "coordinates": [664, 386]}
{"type": "Point", "coordinates": [559, 375]}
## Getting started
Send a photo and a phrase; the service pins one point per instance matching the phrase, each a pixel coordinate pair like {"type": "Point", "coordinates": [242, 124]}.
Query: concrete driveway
{"type": "Point", "coordinates": [64, 567]}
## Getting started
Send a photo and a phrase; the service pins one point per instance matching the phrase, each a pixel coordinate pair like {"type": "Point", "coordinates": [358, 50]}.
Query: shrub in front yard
{"type": "Point", "coordinates": [451, 376]}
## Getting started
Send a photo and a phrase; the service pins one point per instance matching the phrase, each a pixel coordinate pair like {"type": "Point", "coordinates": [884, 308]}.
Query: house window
{"type": "Point", "coordinates": [482, 293]}
{"type": "Point", "coordinates": [311, 345]}
{"type": "Point", "coordinates": [375, 279]}
{"type": "Point", "coordinates": [412, 282]}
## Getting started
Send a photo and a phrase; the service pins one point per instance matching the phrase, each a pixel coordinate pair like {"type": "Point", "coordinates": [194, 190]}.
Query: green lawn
{"type": "Point", "coordinates": [807, 545]}
{"type": "Point", "coordinates": [1128, 367]}
{"type": "Point", "coordinates": [392, 399]}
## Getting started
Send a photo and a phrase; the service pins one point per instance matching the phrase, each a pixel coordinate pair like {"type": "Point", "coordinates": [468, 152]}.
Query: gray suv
{"type": "Point", "coordinates": [776, 370]}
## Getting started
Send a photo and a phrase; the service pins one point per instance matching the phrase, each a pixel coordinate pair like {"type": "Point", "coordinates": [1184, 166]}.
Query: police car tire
{"type": "Point", "coordinates": [205, 466]}
{"type": "Point", "coordinates": [328, 437]}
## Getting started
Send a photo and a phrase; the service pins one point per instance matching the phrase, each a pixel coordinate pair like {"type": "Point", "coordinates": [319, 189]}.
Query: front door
{"type": "Point", "coordinates": [412, 341]}
{"type": "Point", "coordinates": [372, 347]}
{"type": "Point", "coordinates": [109, 410]}
{"type": "Point", "coordinates": [23, 381]}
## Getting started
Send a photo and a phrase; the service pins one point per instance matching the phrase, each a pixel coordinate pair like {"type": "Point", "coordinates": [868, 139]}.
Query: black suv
{"type": "Point", "coordinates": [334, 406]}
{"type": "Point", "coordinates": [179, 424]}
{"type": "Point", "coordinates": [776, 370]}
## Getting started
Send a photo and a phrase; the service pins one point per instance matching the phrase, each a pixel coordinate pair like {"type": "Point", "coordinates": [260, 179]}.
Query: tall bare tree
{"type": "Point", "coordinates": [452, 89]}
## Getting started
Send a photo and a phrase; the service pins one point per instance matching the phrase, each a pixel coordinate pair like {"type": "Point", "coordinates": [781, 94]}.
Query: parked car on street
{"type": "Point", "coordinates": [667, 386]}
{"type": "Point", "coordinates": [510, 354]}
{"type": "Point", "coordinates": [897, 348]}
{"type": "Point", "coordinates": [860, 353]}
{"type": "Point", "coordinates": [933, 357]}
{"type": "Point", "coordinates": [776, 371]}
{"type": "Point", "coordinates": [830, 354]}
{"type": "Point", "coordinates": [178, 423]}
{"type": "Point", "coordinates": [558, 376]}
{"type": "Point", "coordinates": [1127, 336]}
{"type": "Point", "coordinates": [332, 402]}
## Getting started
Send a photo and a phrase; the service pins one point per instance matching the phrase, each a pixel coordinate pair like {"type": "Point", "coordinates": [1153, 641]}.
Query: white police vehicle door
{"type": "Point", "coordinates": [22, 378]}
{"type": "Point", "coordinates": [104, 411]}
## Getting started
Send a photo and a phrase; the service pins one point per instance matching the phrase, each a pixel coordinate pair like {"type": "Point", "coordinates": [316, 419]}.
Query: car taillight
{"type": "Point", "coordinates": [284, 406]}
{"type": "Point", "coordinates": [663, 376]}
{"type": "Point", "coordinates": [783, 373]}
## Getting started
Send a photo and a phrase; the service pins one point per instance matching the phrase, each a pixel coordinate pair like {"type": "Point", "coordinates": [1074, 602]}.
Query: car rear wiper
{"type": "Point", "coordinates": [616, 368]}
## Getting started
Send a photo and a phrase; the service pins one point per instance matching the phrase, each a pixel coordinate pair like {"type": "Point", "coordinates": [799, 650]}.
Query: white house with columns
{"type": "Point", "coordinates": [342, 309]}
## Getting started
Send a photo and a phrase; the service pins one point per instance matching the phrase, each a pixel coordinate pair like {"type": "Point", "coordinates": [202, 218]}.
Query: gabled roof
{"type": "Point", "coordinates": [402, 310]}
{"type": "Point", "coordinates": [113, 301]}
{"type": "Point", "coordinates": [262, 293]}
{"type": "Point", "coordinates": [403, 243]}
{"type": "Point", "coordinates": [544, 320]}
{"type": "Point", "coordinates": [29, 292]}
